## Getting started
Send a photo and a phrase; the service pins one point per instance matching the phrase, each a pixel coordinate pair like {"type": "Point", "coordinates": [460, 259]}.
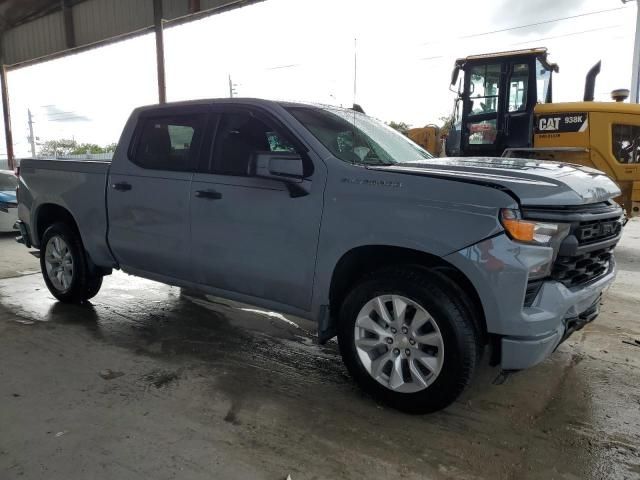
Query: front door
{"type": "Point", "coordinates": [481, 121]}
{"type": "Point", "coordinates": [250, 235]}
{"type": "Point", "coordinates": [148, 195]}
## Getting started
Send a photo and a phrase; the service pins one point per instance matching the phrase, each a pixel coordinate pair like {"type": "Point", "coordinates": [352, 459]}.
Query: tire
{"type": "Point", "coordinates": [423, 365]}
{"type": "Point", "coordinates": [64, 265]}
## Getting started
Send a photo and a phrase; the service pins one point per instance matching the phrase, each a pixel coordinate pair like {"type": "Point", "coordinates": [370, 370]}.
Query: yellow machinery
{"type": "Point", "coordinates": [601, 135]}
{"type": "Point", "coordinates": [504, 107]}
{"type": "Point", "coordinates": [427, 137]}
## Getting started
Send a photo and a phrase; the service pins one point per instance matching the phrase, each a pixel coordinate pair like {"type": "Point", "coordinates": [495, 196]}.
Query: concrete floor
{"type": "Point", "coordinates": [150, 381]}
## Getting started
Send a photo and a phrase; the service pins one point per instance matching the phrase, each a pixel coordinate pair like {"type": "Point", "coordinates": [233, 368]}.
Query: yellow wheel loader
{"type": "Point", "coordinates": [504, 108]}
{"type": "Point", "coordinates": [428, 137]}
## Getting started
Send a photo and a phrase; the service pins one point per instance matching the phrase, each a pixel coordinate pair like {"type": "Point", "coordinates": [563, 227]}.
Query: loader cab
{"type": "Point", "coordinates": [496, 95]}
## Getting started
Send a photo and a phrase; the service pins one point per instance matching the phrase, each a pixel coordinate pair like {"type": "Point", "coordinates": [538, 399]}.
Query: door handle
{"type": "Point", "coordinates": [121, 186]}
{"type": "Point", "coordinates": [208, 194]}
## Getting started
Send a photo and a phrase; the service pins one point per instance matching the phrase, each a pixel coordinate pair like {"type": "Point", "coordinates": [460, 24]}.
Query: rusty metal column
{"type": "Point", "coordinates": [194, 6]}
{"type": "Point", "coordinates": [157, 23]}
{"type": "Point", "coordinates": [7, 117]}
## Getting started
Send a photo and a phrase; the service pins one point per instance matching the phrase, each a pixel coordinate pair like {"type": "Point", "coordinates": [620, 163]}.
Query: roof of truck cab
{"type": "Point", "coordinates": [229, 101]}
{"type": "Point", "coordinates": [607, 107]}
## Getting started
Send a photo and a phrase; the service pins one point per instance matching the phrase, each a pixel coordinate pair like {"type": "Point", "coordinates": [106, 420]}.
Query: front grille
{"type": "Point", "coordinates": [597, 230]}
{"type": "Point", "coordinates": [586, 253]}
{"type": "Point", "coordinates": [580, 269]}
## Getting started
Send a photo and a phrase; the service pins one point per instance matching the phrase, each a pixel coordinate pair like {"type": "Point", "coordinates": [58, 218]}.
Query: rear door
{"type": "Point", "coordinates": [148, 194]}
{"type": "Point", "coordinates": [250, 236]}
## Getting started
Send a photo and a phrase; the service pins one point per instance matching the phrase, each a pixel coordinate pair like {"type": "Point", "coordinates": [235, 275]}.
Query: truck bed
{"type": "Point", "coordinates": [79, 186]}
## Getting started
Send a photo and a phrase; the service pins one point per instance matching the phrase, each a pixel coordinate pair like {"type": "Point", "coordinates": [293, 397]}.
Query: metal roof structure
{"type": "Point", "coordinates": [33, 31]}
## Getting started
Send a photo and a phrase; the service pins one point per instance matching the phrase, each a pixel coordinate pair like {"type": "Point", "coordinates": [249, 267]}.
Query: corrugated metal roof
{"type": "Point", "coordinates": [96, 20]}
{"type": "Point", "coordinates": [34, 39]}
{"type": "Point", "coordinates": [31, 31]}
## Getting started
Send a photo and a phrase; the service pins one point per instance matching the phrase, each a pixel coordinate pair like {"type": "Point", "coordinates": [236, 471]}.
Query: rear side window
{"type": "Point", "coordinates": [241, 135]}
{"type": "Point", "coordinates": [169, 143]}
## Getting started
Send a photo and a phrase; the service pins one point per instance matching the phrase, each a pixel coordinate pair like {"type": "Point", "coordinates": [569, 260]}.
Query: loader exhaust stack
{"type": "Point", "coordinates": [590, 83]}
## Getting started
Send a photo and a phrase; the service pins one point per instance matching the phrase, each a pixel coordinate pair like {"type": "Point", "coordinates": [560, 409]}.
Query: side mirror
{"type": "Point", "coordinates": [287, 167]}
{"type": "Point", "coordinates": [454, 75]}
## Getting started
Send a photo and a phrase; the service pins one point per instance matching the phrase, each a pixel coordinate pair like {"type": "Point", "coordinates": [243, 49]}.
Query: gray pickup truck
{"type": "Point", "coordinates": [416, 264]}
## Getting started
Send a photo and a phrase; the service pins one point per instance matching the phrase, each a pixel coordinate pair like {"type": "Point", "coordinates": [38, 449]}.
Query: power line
{"type": "Point", "coordinates": [535, 24]}
{"type": "Point", "coordinates": [293, 65]}
{"type": "Point", "coordinates": [567, 34]}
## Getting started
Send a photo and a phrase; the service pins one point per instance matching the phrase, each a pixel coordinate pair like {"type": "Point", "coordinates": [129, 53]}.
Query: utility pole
{"type": "Point", "coordinates": [355, 68]}
{"type": "Point", "coordinates": [635, 69]}
{"type": "Point", "coordinates": [32, 138]}
{"type": "Point", "coordinates": [232, 88]}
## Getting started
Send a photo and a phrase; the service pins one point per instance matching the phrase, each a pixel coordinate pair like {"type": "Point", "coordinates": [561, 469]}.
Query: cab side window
{"type": "Point", "coordinates": [239, 137]}
{"type": "Point", "coordinates": [518, 86]}
{"type": "Point", "coordinates": [168, 143]}
{"type": "Point", "coordinates": [626, 143]}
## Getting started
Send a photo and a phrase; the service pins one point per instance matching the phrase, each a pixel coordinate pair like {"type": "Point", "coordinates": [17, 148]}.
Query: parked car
{"type": "Point", "coordinates": [416, 264]}
{"type": "Point", "coordinates": [8, 202]}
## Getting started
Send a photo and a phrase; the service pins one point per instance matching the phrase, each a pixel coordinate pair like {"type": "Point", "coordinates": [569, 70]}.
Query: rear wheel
{"type": "Point", "coordinates": [64, 265]}
{"type": "Point", "coordinates": [407, 339]}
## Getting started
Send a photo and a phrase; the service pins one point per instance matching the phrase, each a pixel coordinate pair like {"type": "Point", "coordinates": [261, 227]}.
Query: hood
{"type": "Point", "coordinates": [8, 196]}
{"type": "Point", "coordinates": [533, 182]}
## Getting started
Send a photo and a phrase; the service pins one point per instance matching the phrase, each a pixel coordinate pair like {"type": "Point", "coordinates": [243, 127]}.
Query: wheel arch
{"type": "Point", "coordinates": [46, 215]}
{"type": "Point", "coordinates": [360, 261]}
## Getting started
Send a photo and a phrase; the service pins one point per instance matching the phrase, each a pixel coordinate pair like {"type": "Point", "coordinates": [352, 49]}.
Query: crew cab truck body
{"type": "Point", "coordinates": [416, 264]}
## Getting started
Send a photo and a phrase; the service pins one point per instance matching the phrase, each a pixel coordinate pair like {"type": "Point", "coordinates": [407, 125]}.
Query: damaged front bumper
{"type": "Point", "coordinates": [576, 307]}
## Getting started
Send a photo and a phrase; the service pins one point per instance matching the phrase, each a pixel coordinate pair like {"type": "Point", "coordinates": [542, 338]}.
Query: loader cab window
{"type": "Point", "coordinates": [484, 88]}
{"type": "Point", "coordinates": [543, 83]}
{"type": "Point", "coordinates": [518, 87]}
{"type": "Point", "coordinates": [626, 143]}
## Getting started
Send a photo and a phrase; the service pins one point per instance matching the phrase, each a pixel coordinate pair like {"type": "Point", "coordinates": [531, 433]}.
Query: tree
{"type": "Point", "coordinates": [57, 148]}
{"type": "Point", "coordinates": [401, 127]}
{"type": "Point", "coordinates": [88, 148]}
{"type": "Point", "coordinates": [64, 147]}
{"type": "Point", "coordinates": [447, 124]}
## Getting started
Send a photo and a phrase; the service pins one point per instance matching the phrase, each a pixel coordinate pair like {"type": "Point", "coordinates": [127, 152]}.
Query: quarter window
{"type": "Point", "coordinates": [626, 143]}
{"type": "Point", "coordinates": [241, 135]}
{"type": "Point", "coordinates": [168, 143]}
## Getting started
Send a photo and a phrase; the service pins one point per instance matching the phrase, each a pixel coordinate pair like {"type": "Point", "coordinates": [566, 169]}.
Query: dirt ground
{"type": "Point", "coordinates": [149, 381]}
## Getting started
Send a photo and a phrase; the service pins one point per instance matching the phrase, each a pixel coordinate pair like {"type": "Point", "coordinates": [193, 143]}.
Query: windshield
{"type": "Point", "coordinates": [8, 182]}
{"type": "Point", "coordinates": [357, 138]}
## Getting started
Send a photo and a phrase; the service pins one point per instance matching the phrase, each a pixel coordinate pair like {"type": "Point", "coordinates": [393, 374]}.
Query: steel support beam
{"type": "Point", "coordinates": [7, 117]}
{"type": "Point", "coordinates": [157, 26]}
{"type": "Point", "coordinates": [69, 30]}
{"type": "Point", "coordinates": [635, 79]}
{"type": "Point", "coordinates": [194, 6]}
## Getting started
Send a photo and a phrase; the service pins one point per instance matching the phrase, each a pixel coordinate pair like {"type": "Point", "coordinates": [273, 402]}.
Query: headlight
{"type": "Point", "coordinates": [544, 234]}
{"type": "Point", "coordinates": [531, 231]}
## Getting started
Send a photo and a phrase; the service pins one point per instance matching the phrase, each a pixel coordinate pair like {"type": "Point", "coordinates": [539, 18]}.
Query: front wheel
{"type": "Point", "coordinates": [408, 340]}
{"type": "Point", "coordinates": [64, 265]}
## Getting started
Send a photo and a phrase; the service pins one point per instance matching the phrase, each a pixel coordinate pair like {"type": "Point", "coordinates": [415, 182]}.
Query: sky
{"type": "Point", "coordinates": [401, 54]}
